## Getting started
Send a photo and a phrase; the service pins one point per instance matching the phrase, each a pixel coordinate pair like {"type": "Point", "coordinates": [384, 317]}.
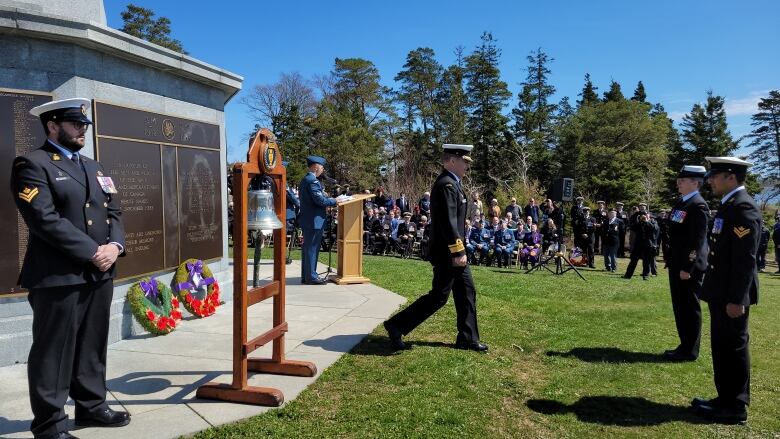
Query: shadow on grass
{"type": "Point", "coordinates": [608, 355]}
{"type": "Point", "coordinates": [379, 345]}
{"type": "Point", "coordinates": [617, 410]}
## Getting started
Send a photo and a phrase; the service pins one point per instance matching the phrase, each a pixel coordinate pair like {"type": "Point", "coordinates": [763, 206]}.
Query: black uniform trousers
{"type": "Point", "coordinates": [645, 253]}
{"type": "Point", "coordinates": [730, 356]}
{"type": "Point", "coordinates": [687, 311]}
{"type": "Point", "coordinates": [446, 278]}
{"type": "Point", "coordinates": [68, 353]}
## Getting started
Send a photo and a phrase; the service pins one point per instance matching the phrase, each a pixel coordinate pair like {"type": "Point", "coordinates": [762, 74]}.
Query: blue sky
{"type": "Point", "coordinates": [679, 49]}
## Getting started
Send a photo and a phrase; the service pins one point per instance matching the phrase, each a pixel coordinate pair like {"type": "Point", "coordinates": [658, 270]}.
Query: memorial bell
{"type": "Point", "coordinates": [260, 211]}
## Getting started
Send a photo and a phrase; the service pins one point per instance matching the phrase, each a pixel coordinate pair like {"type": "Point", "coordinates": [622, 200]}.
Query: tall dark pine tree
{"type": "Point", "coordinates": [292, 135]}
{"type": "Point", "coordinates": [705, 131]}
{"type": "Point", "coordinates": [614, 94]}
{"type": "Point", "coordinates": [140, 22]}
{"type": "Point", "coordinates": [588, 94]}
{"type": "Point", "coordinates": [639, 93]}
{"type": "Point", "coordinates": [765, 138]}
{"type": "Point", "coordinates": [419, 81]}
{"type": "Point", "coordinates": [533, 120]}
{"type": "Point", "coordinates": [487, 94]}
{"type": "Point", "coordinates": [452, 104]}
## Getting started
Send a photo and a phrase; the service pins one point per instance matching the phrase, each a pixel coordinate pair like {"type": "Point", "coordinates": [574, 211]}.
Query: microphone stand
{"type": "Point", "coordinates": [328, 272]}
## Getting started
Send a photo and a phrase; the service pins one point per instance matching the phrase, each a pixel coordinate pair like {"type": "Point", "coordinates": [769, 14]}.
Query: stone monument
{"type": "Point", "coordinates": [159, 130]}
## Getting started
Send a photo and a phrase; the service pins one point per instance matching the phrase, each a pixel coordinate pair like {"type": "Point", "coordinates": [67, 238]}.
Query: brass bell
{"type": "Point", "coordinates": [260, 211]}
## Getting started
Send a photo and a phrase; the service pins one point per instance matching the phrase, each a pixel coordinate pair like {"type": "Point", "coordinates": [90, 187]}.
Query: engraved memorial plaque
{"type": "Point", "coordinates": [20, 133]}
{"type": "Point", "coordinates": [200, 204]}
{"type": "Point", "coordinates": [136, 171]}
{"type": "Point", "coordinates": [167, 170]}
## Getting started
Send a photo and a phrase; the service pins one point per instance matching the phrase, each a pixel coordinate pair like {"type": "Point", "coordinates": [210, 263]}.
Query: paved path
{"type": "Point", "coordinates": [155, 378]}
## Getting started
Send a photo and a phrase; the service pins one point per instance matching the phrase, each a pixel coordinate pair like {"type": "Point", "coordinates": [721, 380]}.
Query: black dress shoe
{"type": "Point", "coordinates": [701, 401]}
{"type": "Point", "coordinates": [722, 414]}
{"type": "Point", "coordinates": [395, 337]}
{"type": "Point", "coordinates": [60, 435]}
{"type": "Point", "coordinates": [317, 281]}
{"type": "Point", "coordinates": [104, 418]}
{"type": "Point", "coordinates": [674, 355]}
{"type": "Point", "coordinates": [473, 346]}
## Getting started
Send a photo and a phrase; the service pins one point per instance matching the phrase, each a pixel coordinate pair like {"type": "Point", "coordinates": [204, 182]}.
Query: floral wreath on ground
{"type": "Point", "coordinates": [578, 258]}
{"type": "Point", "coordinates": [196, 287]}
{"type": "Point", "coordinates": [154, 306]}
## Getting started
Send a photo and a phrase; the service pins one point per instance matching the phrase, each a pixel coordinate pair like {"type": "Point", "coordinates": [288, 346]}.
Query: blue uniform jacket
{"type": "Point", "coordinates": [505, 237]}
{"type": "Point", "coordinates": [313, 203]}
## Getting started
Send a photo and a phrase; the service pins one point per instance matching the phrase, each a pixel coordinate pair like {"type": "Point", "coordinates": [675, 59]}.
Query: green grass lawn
{"type": "Point", "coordinates": [567, 358]}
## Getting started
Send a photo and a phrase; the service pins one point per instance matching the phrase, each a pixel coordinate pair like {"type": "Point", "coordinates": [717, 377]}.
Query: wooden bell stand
{"type": "Point", "coordinates": [263, 158]}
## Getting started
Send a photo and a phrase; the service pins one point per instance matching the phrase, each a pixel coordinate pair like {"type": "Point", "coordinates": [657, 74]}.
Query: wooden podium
{"type": "Point", "coordinates": [350, 242]}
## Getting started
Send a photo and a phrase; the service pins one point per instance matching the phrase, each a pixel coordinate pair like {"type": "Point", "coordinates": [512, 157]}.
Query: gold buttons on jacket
{"type": "Point", "coordinates": [89, 222]}
{"type": "Point", "coordinates": [86, 205]}
{"type": "Point", "coordinates": [108, 221]}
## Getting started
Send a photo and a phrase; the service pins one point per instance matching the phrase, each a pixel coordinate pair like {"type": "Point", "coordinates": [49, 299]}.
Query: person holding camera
{"type": "Point", "coordinates": [643, 247]}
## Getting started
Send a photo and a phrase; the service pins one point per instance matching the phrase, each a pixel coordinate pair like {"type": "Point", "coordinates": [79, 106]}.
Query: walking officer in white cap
{"type": "Point", "coordinates": [730, 288]}
{"type": "Point", "coordinates": [72, 212]}
{"type": "Point", "coordinates": [448, 255]}
{"type": "Point", "coordinates": [687, 261]}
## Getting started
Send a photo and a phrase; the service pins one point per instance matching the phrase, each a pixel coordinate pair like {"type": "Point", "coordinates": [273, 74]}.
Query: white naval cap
{"type": "Point", "coordinates": [75, 109]}
{"type": "Point", "coordinates": [731, 165]}
{"type": "Point", "coordinates": [458, 149]}
{"type": "Point", "coordinates": [692, 171]}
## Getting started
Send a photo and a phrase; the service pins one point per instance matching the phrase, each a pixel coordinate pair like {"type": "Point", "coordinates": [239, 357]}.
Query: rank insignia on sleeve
{"type": "Point", "coordinates": [56, 157]}
{"type": "Point", "coordinates": [741, 232]}
{"type": "Point", "coordinates": [457, 247]}
{"type": "Point", "coordinates": [28, 193]}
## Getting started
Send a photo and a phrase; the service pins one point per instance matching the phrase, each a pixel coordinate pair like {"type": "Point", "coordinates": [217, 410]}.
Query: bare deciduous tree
{"type": "Point", "coordinates": [265, 102]}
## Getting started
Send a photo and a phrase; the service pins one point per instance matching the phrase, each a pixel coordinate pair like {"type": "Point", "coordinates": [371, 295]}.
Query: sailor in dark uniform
{"type": "Point", "coordinates": [448, 257]}
{"type": "Point", "coordinates": [623, 217]}
{"type": "Point", "coordinates": [71, 209]}
{"type": "Point", "coordinates": [730, 287]}
{"type": "Point", "coordinates": [687, 261]}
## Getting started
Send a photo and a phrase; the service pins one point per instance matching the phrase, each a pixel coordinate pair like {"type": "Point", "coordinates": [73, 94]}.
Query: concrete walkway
{"type": "Point", "coordinates": [155, 378]}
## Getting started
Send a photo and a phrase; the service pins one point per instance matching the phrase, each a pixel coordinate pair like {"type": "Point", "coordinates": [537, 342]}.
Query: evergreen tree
{"type": "Point", "coordinates": [533, 121]}
{"type": "Point", "coordinates": [487, 94]}
{"type": "Point", "coordinates": [614, 94]}
{"type": "Point", "coordinates": [705, 131]}
{"type": "Point", "coordinates": [292, 134]}
{"type": "Point", "coordinates": [588, 94]}
{"type": "Point", "coordinates": [452, 104]}
{"type": "Point", "coordinates": [765, 139]}
{"type": "Point", "coordinates": [350, 122]}
{"type": "Point", "coordinates": [419, 82]}
{"type": "Point", "coordinates": [639, 93]}
{"type": "Point", "coordinates": [139, 22]}
{"type": "Point", "coordinates": [618, 151]}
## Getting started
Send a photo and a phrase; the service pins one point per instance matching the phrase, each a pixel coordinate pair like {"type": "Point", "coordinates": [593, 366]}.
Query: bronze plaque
{"type": "Point", "coordinates": [20, 132]}
{"type": "Point", "coordinates": [137, 173]}
{"type": "Point", "coordinates": [128, 123]}
{"type": "Point", "coordinates": [171, 206]}
{"type": "Point", "coordinates": [167, 171]}
{"type": "Point", "coordinates": [200, 204]}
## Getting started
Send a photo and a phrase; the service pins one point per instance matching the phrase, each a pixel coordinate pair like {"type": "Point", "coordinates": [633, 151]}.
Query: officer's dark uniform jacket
{"type": "Point", "coordinates": [687, 228]}
{"type": "Point", "coordinates": [68, 216]}
{"type": "Point", "coordinates": [732, 275]}
{"type": "Point", "coordinates": [448, 210]}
